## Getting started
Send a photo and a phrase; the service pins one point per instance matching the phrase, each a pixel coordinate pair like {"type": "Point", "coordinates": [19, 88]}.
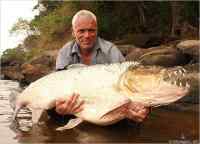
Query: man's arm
{"type": "Point", "coordinates": [61, 60]}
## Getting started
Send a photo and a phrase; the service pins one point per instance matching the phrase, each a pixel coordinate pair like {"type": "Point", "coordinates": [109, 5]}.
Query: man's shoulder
{"type": "Point", "coordinates": [67, 47]}
{"type": "Point", "coordinates": [106, 45]}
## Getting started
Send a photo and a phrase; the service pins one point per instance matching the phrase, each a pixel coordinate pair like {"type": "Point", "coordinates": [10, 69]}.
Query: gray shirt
{"type": "Point", "coordinates": [104, 52]}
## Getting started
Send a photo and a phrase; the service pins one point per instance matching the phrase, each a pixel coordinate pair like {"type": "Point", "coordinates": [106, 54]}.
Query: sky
{"type": "Point", "coordinates": [10, 11]}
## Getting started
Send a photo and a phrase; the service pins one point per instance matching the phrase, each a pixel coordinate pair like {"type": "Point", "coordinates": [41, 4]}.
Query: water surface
{"type": "Point", "coordinates": [165, 124]}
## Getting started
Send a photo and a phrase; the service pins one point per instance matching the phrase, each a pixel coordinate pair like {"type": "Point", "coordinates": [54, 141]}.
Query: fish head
{"type": "Point", "coordinates": [155, 85]}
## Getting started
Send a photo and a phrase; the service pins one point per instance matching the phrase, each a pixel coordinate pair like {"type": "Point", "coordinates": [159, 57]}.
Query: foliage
{"type": "Point", "coordinates": [191, 11]}
{"type": "Point", "coordinates": [22, 26]}
{"type": "Point", "coordinates": [13, 54]}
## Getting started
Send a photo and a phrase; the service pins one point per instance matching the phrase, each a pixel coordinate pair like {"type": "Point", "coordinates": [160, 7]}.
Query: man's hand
{"type": "Point", "coordinates": [137, 112]}
{"type": "Point", "coordinates": [70, 106]}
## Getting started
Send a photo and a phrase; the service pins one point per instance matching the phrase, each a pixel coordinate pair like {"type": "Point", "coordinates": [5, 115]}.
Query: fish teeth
{"type": "Point", "coordinates": [175, 83]}
{"type": "Point", "coordinates": [187, 85]}
{"type": "Point", "coordinates": [170, 75]}
{"type": "Point", "coordinates": [183, 70]}
{"type": "Point", "coordinates": [180, 71]}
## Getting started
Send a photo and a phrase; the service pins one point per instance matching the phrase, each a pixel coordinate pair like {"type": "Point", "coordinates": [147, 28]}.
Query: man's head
{"type": "Point", "coordinates": [84, 26]}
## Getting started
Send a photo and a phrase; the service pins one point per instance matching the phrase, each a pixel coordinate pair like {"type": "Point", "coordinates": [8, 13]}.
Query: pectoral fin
{"type": "Point", "coordinates": [71, 124]}
{"type": "Point", "coordinates": [36, 115]}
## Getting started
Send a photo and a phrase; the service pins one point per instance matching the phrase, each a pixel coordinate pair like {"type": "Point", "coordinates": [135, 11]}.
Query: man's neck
{"type": "Point", "coordinates": [86, 52]}
{"type": "Point", "coordinates": [86, 57]}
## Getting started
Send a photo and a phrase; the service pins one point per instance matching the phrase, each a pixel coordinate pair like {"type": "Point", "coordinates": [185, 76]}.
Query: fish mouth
{"type": "Point", "coordinates": [155, 86]}
{"type": "Point", "coordinates": [176, 76]}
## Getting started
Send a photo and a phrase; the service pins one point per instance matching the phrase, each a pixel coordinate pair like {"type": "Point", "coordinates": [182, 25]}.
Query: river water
{"type": "Point", "coordinates": [176, 123]}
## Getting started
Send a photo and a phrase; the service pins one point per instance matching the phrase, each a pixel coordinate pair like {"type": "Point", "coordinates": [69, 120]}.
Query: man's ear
{"type": "Point", "coordinates": [73, 33]}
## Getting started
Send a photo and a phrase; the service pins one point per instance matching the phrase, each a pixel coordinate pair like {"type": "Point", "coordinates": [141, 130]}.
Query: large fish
{"type": "Point", "coordinates": [106, 90]}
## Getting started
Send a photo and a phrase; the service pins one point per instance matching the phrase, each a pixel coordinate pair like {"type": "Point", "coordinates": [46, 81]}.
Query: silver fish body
{"type": "Point", "coordinates": [106, 90]}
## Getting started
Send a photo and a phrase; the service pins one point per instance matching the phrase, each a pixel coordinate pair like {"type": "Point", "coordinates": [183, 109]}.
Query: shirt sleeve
{"type": "Point", "coordinates": [116, 55]}
{"type": "Point", "coordinates": [62, 60]}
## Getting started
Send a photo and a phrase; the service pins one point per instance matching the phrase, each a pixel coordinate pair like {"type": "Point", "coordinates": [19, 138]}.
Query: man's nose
{"type": "Point", "coordinates": [86, 33]}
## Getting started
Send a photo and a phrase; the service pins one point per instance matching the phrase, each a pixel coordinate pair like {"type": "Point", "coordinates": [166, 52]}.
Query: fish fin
{"type": "Point", "coordinates": [71, 124]}
{"type": "Point", "coordinates": [36, 115]}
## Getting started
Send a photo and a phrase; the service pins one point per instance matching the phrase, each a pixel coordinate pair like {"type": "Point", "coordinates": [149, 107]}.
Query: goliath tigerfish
{"type": "Point", "coordinates": [106, 89]}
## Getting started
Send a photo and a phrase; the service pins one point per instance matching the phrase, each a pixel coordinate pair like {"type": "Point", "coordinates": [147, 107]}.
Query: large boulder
{"type": "Point", "coordinates": [190, 47]}
{"type": "Point", "coordinates": [143, 40]}
{"type": "Point", "coordinates": [39, 66]}
{"type": "Point", "coordinates": [167, 57]}
{"type": "Point", "coordinates": [162, 55]}
{"type": "Point", "coordinates": [33, 72]}
{"type": "Point", "coordinates": [12, 73]}
{"type": "Point", "coordinates": [135, 54]}
{"type": "Point", "coordinates": [126, 49]}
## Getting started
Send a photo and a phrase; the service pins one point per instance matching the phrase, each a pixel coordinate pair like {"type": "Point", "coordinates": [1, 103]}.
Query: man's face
{"type": "Point", "coordinates": [85, 32]}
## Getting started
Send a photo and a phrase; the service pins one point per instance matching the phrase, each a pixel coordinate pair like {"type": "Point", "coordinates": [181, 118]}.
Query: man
{"type": "Point", "coordinates": [89, 49]}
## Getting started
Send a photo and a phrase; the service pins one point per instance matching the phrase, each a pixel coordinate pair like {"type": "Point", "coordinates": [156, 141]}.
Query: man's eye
{"type": "Point", "coordinates": [81, 31]}
{"type": "Point", "coordinates": [91, 30]}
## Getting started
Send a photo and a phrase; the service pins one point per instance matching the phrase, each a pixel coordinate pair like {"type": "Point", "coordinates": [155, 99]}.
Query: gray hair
{"type": "Point", "coordinates": [83, 13]}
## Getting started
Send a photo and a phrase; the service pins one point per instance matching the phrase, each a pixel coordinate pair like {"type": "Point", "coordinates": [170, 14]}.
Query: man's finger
{"type": "Point", "coordinates": [74, 99]}
{"type": "Point", "coordinates": [60, 101]}
{"type": "Point", "coordinates": [70, 101]}
{"type": "Point", "coordinates": [78, 107]}
{"type": "Point", "coordinates": [136, 116]}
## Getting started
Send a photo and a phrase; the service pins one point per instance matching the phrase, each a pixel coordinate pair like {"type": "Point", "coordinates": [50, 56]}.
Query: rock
{"type": "Point", "coordinates": [167, 57]}
{"type": "Point", "coordinates": [125, 49]}
{"type": "Point", "coordinates": [12, 73]}
{"type": "Point", "coordinates": [10, 62]}
{"type": "Point", "coordinates": [33, 72]}
{"type": "Point", "coordinates": [143, 40]}
{"type": "Point", "coordinates": [135, 54]}
{"type": "Point", "coordinates": [190, 47]}
{"type": "Point", "coordinates": [162, 55]}
{"type": "Point", "coordinates": [48, 59]}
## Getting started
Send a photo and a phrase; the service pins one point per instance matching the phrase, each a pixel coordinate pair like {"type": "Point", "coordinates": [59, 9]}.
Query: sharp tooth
{"type": "Point", "coordinates": [180, 71]}
{"type": "Point", "coordinates": [180, 84]}
{"type": "Point", "coordinates": [183, 70]}
{"type": "Point", "coordinates": [175, 73]}
{"type": "Point", "coordinates": [187, 85]}
{"type": "Point", "coordinates": [169, 75]}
